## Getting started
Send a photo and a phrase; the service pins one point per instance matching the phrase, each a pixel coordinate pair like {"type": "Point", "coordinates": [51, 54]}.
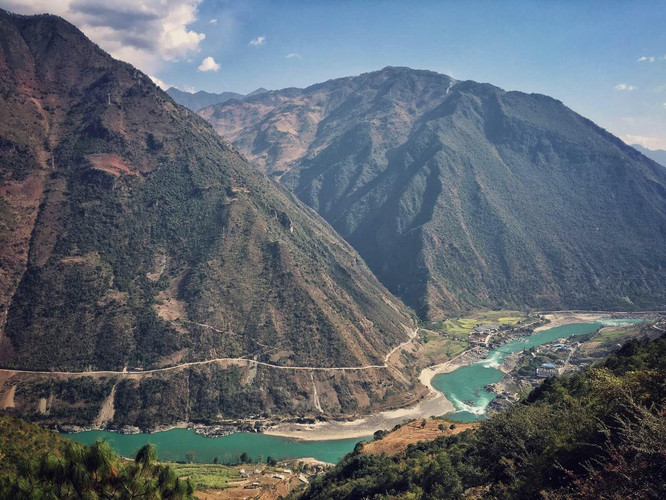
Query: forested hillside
{"type": "Point", "coordinates": [133, 236]}
{"type": "Point", "coordinates": [459, 194]}
{"type": "Point", "coordinates": [597, 434]}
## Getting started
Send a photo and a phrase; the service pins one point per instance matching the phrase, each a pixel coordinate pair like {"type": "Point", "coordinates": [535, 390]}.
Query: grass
{"type": "Point", "coordinates": [462, 327]}
{"type": "Point", "coordinates": [611, 335]}
{"type": "Point", "coordinates": [453, 347]}
{"type": "Point", "coordinates": [438, 346]}
{"type": "Point", "coordinates": [205, 476]}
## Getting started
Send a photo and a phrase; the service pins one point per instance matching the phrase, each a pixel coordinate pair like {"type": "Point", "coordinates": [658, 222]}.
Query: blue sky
{"type": "Point", "coordinates": [585, 52]}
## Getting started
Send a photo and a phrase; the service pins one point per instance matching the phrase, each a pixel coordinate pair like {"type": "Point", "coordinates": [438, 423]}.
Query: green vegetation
{"type": "Point", "coordinates": [610, 335]}
{"type": "Point", "coordinates": [597, 434]}
{"type": "Point", "coordinates": [39, 464]}
{"type": "Point", "coordinates": [463, 326]}
{"type": "Point", "coordinates": [156, 243]}
{"type": "Point", "coordinates": [472, 198]}
{"type": "Point", "coordinates": [204, 476]}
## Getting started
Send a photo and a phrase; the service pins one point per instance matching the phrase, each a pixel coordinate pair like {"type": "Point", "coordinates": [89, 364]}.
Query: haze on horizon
{"type": "Point", "coordinates": [605, 60]}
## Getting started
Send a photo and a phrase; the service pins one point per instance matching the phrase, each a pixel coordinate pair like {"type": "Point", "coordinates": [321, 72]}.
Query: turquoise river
{"type": "Point", "coordinates": [464, 386]}
{"type": "Point", "coordinates": [461, 387]}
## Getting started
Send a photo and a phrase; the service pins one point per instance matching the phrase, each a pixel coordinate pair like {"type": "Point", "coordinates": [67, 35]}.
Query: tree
{"type": "Point", "coordinates": [216, 460]}
{"type": "Point", "coordinates": [271, 461]}
{"type": "Point", "coordinates": [189, 456]}
{"type": "Point", "coordinates": [244, 458]}
{"type": "Point", "coordinates": [95, 472]}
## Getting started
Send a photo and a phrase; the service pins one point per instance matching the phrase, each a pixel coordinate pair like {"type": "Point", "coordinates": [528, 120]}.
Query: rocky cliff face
{"type": "Point", "coordinates": [460, 194]}
{"type": "Point", "coordinates": [133, 236]}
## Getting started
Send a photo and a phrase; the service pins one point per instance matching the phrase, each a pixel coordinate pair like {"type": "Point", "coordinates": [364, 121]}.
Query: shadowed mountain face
{"type": "Point", "coordinates": [202, 99]}
{"type": "Point", "coordinates": [133, 235]}
{"type": "Point", "coordinates": [459, 194]}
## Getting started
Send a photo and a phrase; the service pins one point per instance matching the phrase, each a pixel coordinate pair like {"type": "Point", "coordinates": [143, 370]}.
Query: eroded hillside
{"type": "Point", "coordinates": [134, 237]}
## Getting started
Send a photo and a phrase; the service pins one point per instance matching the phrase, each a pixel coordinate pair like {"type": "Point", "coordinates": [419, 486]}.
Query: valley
{"type": "Point", "coordinates": [449, 397]}
{"type": "Point", "coordinates": [393, 285]}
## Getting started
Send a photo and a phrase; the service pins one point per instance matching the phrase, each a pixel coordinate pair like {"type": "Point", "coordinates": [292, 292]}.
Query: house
{"type": "Point", "coordinates": [546, 370]}
{"type": "Point", "coordinates": [486, 329]}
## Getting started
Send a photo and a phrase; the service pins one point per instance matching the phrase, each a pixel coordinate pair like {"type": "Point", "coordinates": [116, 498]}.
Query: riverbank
{"type": "Point", "coordinates": [568, 318]}
{"type": "Point", "coordinates": [434, 404]}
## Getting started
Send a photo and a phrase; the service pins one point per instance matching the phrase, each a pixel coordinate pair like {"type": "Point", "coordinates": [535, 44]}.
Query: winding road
{"type": "Point", "coordinates": [241, 360]}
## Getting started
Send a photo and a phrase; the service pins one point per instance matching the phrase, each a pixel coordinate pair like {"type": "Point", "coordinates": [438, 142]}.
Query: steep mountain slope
{"type": "Point", "coordinates": [459, 194]}
{"type": "Point", "coordinates": [658, 155]}
{"type": "Point", "coordinates": [132, 235]}
{"type": "Point", "coordinates": [202, 99]}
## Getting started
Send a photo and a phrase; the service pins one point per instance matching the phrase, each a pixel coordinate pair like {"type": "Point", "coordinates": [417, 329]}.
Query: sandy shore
{"type": "Point", "coordinates": [568, 318]}
{"type": "Point", "coordinates": [435, 404]}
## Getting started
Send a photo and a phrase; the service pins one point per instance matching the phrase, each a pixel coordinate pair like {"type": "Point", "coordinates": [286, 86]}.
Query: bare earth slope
{"type": "Point", "coordinates": [133, 236]}
{"type": "Point", "coordinates": [460, 194]}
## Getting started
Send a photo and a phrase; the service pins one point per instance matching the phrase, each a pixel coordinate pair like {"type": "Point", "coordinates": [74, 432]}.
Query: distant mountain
{"type": "Point", "coordinates": [258, 91]}
{"type": "Point", "coordinates": [459, 194]}
{"type": "Point", "coordinates": [202, 99]}
{"type": "Point", "coordinates": [658, 155]}
{"type": "Point", "coordinates": [133, 236]}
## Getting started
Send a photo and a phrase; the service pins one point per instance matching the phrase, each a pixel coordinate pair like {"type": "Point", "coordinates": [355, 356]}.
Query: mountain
{"type": "Point", "coordinates": [460, 195]}
{"type": "Point", "coordinates": [258, 91]}
{"type": "Point", "coordinates": [658, 155]}
{"type": "Point", "coordinates": [202, 99]}
{"type": "Point", "coordinates": [133, 236]}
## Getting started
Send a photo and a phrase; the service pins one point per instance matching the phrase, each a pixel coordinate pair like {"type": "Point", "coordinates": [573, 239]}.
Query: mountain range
{"type": "Point", "coordinates": [462, 195]}
{"type": "Point", "coordinates": [132, 236]}
{"type": "Point", "coordinates": [202, 99]}
{"type": "Point", "coordinates": [658, 155]}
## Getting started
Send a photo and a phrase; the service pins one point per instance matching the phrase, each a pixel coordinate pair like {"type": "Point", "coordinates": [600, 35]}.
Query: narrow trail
{"type": "Point", "coordinates": [241, 361]}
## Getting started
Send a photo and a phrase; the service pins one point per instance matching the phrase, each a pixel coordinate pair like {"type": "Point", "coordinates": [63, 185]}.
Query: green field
{"type": "Point", "coordinates": [206, 476]}
{"type": "Point", "coordinates": [453, 347]}
{"type": "Point", "coordinates": [612, 335]}
{"type": "Point", "coordinates": [462, 327]}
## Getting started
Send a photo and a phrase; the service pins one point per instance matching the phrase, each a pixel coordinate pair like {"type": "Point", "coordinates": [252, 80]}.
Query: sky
{"type": "Point", "coordinates": [604, 59]}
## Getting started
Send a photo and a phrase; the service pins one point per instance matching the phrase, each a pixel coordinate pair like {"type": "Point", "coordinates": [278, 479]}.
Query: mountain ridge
{"type": "Point", "coordinates": [134, 237]}
{"type": "Point", "coordinates": [658, 155]}
{"type": "Point", "coordinates": [439, 183]}
{"type": "Point", "coordinates": [196, 101]}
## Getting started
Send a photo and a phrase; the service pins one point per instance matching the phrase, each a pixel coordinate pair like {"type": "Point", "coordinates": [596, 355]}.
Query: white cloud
{"type": "Point", "coordinates": [647, 142]}
{"type": "Point", "coordinates": [293, 55]}
{"type": "Point", "coordinates": [144, 33]}
{"type": "Point", "coordinates": [646, 59]}
{"type": "Point", "coordinates": [213, 21]}
{"type": "Point", "coordinates": [160, 83]}
{"type": "Point", "coordinates": [624, 86]}
{"type": "Point", "coordinates": [260, 40]}
{"type": "Point", "coordinates": [208, 64]}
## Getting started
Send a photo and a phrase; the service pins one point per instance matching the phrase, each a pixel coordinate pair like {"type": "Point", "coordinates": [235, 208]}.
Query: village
{"type": "Point", "coordinates": [526, 369]}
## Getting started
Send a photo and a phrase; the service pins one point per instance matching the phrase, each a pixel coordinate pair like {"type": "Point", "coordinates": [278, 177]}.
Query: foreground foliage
{"type": "Point", "coordinates": [39, 464]}
{"type": "Point", "coordinates": [599, 434]}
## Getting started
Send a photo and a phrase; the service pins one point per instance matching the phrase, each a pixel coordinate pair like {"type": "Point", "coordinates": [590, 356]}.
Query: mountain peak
{"type": "Point", "coordinates": [133, 236]}
{"type": "Point", "coordinates": [450, 190]}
